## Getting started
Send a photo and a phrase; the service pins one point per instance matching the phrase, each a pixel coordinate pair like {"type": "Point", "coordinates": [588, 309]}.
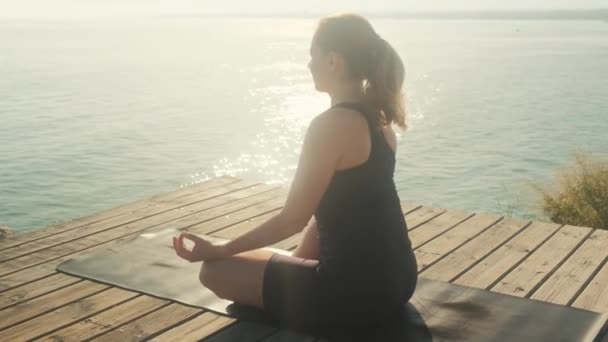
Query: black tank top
{"type": "Point", "coordinates": [363, 237]}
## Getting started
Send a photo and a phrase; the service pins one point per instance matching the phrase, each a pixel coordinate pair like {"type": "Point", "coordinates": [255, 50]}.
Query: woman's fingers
{"type": "Point", "coordinates": [181, 251]}
{"type": "Point", "coordinates": [191, 237]}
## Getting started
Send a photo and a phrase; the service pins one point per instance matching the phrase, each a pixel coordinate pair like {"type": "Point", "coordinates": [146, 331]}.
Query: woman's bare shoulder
{"type": "Point", "coordinates": [340, 120]}
{"type": "Point", "coordinates": [345, 120]}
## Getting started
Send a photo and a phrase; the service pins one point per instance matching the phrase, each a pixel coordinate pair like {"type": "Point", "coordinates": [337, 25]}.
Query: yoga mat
{"type": "Point", "coordinates": [438, 311]}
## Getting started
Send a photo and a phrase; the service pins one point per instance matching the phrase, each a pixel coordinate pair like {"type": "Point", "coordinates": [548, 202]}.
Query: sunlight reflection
{"type": "Point", "coordinates": [273, 154]}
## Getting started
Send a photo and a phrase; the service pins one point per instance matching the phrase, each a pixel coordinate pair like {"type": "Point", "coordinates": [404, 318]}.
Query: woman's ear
{"type": "Point", "coordinates": [332, 60]}
{"type": "Point", "coordinates": [336, 62]}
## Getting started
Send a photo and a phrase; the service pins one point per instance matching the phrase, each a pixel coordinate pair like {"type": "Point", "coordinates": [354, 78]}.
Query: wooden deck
{"type": "Point", "coordinates": [543, 261]}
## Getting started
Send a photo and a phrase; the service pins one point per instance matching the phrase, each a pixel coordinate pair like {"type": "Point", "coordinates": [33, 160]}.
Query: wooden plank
{"type": "Point", "coordinates": [239, 228]}
{"type": "Point", "coordinates": [28, 275]}
{"type": "Point", "coordinates": [26, 310]}
{"type": "Point", "coordinates": [66, 315]}
{"type": "Point", "coordinates": [148, 216]}
{"type": "Point", "coordinates": [524, 279]}
{"type": "Point", "coordinates": [485, 273]}
{"type": "Point", "coordinates": [242, 227]}
{"type": "Point", "coordinates": [452, 239]}
{"type": "Point", "coordinates": [415, 215]}
{"type": "Point", "coordinates": [233, 224]}
{"type": "Point", "coordinates": [106, 320]}
{"type": "Point", "coordinates": [196, 328]}
{"type": "Point", "coordinates": [429, 230]}
{"type": "Point", "coordinates": [458, 261]}
{"type": "Point", "coordinates": [204, 198]}
{"type": "Point", "coordinates": [48, 267]}
{"type": "Point", "coordinates": [115, 211]}
{"type": "Point", "coordinates": [125, 231]}
{"type": "Point", "coordinates": [421, 216]}
{"type": "Point", "coordinates": [35, 289]}
{"type": "Point", "coordinates": [408, 207]}
{"type": "Point", "coordinates": [152, 324]}
{"type": "Point", "coordinates": [569, 279]}
{"type": "Point", "coordinates": [594, 297]}
{"type": "Point", "coordinates": [230, 212]}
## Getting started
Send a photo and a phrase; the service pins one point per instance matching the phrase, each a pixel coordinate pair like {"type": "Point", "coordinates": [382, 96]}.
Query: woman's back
{"type": "Point", "coordinates": [362, 231]}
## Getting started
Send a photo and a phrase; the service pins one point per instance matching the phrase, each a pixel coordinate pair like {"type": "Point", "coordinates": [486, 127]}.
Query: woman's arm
{"type": "Point", "coordinates": [321, 150]}
{"type": "Point", "coordinates": [270, 232]}
{"type": "Point", "coordinates": [309, 246]}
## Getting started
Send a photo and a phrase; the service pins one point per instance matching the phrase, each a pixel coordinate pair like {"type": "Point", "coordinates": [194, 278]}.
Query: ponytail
{"type": "Point", "coordinates": [383, 84]}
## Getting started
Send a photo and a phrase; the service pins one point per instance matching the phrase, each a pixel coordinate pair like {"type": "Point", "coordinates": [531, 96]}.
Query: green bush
{"type": "Point", "coordinates": [579, 195]}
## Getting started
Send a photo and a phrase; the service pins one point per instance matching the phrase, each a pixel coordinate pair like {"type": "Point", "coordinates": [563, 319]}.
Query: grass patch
{"type": "Point", "coordinates": [579, 193]}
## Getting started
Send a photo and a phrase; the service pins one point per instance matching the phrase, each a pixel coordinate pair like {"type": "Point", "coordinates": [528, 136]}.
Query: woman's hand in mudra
{"type": "Point", "coordinates": [203, 250]}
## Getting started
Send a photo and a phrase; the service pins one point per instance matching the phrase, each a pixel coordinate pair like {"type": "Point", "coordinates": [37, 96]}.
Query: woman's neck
{"type": "Point", "coordinates": [346, 93]}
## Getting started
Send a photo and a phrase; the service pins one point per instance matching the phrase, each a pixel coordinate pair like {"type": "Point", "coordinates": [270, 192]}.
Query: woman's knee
{"type": "Point", "coordinates": [206, 274]}
{"type": "Point", "coordinates": [209, 276]}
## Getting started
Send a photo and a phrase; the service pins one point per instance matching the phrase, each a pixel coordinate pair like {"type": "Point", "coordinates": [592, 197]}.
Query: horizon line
{"type": "Point", "coordinates": [591, 13]}
{"type": "Point", "coordinates": [600, 13]}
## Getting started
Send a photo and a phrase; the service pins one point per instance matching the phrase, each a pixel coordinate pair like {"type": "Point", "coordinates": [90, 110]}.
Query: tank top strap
{"type": "Point", "coordinates": [361, 108]}
{"type": "Point", "coordinates": [376, 135]}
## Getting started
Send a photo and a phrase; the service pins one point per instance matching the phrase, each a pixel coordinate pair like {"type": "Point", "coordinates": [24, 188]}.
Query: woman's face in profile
{"type": "Point", "coordinates": [320, 69]}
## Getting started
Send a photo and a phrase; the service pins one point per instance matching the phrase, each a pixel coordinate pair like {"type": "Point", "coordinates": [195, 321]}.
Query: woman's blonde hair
{"type": "Point", "coordinates": [369, 58]}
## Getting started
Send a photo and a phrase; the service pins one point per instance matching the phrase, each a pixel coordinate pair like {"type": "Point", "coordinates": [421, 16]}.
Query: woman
{"type": "Point", "coordinates": [354, 266]}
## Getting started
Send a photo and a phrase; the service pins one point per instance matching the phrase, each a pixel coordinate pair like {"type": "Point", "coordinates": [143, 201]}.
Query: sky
{"type": "Point", "coordinates": [52, 8]}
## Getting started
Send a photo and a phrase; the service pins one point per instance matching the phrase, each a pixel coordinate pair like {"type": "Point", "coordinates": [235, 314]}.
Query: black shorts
{"type": "Point", "coordinates": [298, 297]}
{"type": "Point", "coordinates": [291, 292]}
